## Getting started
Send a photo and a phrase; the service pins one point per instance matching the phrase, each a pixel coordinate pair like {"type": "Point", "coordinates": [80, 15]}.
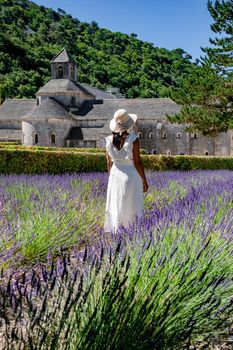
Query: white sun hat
{"type": "Point", "coordinates": [122, 121]}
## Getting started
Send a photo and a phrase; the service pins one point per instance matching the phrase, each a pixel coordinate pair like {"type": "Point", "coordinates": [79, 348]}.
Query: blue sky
{"type": "Point", "coordinates": [165, 23]}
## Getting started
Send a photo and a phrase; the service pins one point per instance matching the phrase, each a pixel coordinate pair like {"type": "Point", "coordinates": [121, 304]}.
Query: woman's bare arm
{"type": "Point", "coordinates": [138, 164]}
{"type": "Point", "coordinates": [109, 162]}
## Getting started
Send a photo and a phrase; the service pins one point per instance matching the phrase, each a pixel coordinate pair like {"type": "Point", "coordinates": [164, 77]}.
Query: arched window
{"type": "Point", "coordinates": [168, 152]}
{"type": "Point", "coordinates": [72, 72]}
{"type": "Point", "coordinates": [178, 135]}
{"type": "Point", "coordinates": [194, 135]}
{"type": "Point", "coordinates": [153, 151]}
{"type": "Point", "coordinates": [60, 72]}
{"type": "Point", "coordinates": [140, 135]}
{"type": "Point", "coordinates": [38, 100]}
{"type": "Point", "coordinates": [35, 138]}
{"type": "Point", "coordinates": [164, 135]}
{"type": "Point", "coordinates": [206, 153]}
{"type": "Point", "coordinates": [53, 138]}
{"type": "Point", "coordinates": [151, 135]}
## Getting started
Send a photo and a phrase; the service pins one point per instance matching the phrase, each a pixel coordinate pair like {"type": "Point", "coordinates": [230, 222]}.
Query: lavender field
{"type": "Point", "coordinates": [164, 283]}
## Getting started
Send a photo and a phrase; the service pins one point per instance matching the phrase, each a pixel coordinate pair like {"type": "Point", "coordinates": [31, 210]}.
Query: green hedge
{"type": "Point", "coordinates": [162, 162]}
{"type": "Point", "coordinates": [9, 143]}
{"type": "Point", "coordinates": [54, 149]}
{"type": "Point", "coordinates": [15, 146]}
{"type": "Point", "coordinates": [17, 161]}
{"type": "Point", "coordinates": [41, 162]}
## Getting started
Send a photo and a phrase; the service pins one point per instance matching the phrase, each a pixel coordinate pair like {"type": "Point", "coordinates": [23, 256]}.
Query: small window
{"type": "Point", "coordinates": [72, 72]}
{"type": "Point", "coordinates": [178, 135]}
{"type": "Point", "coordinates": [168, 152]}
{"type": "Point", "coordinates": [36, 138]}
{"type": "Point", "coordinates": [60, 72]}
{"type": "Point", "coordinates": [164, 135]}
{"type": "Point", "coordinates": [151, 135]}
{"type": "Point", "coordinates": [206, 153]}
{"type": "Point", "coordinates": [53, 138]}
{"type": "Point", "coordinates": [153, 151]}
{"type": "Point", "coordinates": [140, 135]}
{"type": "Point", "coordinates": [194, 135]}
{"type": "Point", "coordinates": [38, 100]}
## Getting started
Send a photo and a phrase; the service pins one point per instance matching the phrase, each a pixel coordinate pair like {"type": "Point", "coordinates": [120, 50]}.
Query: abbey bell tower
{"type": "Point", "coordinates": [63, 66]}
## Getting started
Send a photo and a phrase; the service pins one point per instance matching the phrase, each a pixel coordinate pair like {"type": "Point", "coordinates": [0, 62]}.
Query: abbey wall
{"type": "Point", "coordinates": [69, 114]}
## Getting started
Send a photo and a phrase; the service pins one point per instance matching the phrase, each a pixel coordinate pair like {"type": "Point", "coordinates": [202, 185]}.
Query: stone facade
{"type": "Point", "coordinates": [67, 113]}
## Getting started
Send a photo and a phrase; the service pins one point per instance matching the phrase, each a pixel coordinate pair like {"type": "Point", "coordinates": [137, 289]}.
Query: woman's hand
{"type": "Point", "coordinates": [145, 185]}
{"type": "Point", "coordinates": [138, 164]}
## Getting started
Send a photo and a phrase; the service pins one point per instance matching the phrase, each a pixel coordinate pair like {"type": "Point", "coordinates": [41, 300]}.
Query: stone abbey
{"type": "Point", "coordinates": [70, 114]}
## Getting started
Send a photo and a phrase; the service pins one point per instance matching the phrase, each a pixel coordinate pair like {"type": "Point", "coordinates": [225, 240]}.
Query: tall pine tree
{"type": "Point", "coordinates": [206, 94]}
{"type": "Point", "coordinates": [221, 53]}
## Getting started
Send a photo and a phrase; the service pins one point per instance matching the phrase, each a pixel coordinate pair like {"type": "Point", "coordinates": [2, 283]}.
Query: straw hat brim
{"type": "Point", "coordinates": [126, 125]}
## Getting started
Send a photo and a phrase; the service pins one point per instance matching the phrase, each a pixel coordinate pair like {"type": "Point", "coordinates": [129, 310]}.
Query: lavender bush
{"type": "Point", "coordinates": [162, 283]}
{"type": "Point", "coordinates": [40, 214]}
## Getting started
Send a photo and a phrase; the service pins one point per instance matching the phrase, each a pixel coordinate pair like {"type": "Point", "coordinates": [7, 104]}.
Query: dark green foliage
{"type": "Point", "coordinates": [207, 94]}
{"type": "Point", "coordinates": [23, 161]}
{"type": "Point", "coordinates": [163, 162]}
{"type": "Point", "coordinates": [42, 162]}
{"type": "Point", "coordinates": [220, 54]}
{"type": "Point", "coordinates": [206, 102]}
{"type": "Point", "coordinates": [31, 35]}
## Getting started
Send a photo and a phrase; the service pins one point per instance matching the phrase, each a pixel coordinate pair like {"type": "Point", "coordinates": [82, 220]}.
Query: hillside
{"type": "Point", "coordinates": [31, 35]}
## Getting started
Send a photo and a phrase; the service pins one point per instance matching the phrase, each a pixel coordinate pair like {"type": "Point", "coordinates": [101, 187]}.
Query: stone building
{"type": "Point", "coordinates": [69, 114]}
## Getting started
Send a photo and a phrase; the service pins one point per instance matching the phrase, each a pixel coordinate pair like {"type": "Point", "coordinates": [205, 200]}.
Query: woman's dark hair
{"type": "Point", "coordinates": [117, 139]}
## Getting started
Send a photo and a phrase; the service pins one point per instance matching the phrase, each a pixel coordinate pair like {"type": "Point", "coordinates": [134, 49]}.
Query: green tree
{"type": "Point", "coordinates": [221, 53]}
{"type": "Point", "coordinates": [206, 94]}
{"type": "Point", "coordinates": [205, 102]}
{"type": "Point", "coordinates": [31, 35]}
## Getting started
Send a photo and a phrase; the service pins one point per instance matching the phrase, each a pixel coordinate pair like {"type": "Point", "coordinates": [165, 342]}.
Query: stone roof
{"type": "Point", "coordinates": [98, 93]}
{"type": "Point", "coordinates": [61, 86]}
{"type": "Point", "coordinates": [79, 133]}
{"type": "Point", "coordinates": [13, 109]}
{"type": "Point", "coordinates": [10, 134]}
{"type": "Point", "coordinates": [48, 109]}
{"type": "Point", "coordinates": [91, 133]}
{"type": "Point", "coordinates": [154, 109]}
{"type": "Point", "coordinates": [63, 56]}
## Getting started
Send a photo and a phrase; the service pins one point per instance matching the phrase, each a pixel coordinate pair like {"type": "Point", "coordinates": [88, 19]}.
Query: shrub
{"type": "Point", "coordinates": [15, 146]}
{"type": "Point", "coordinates": [163, 283]}
{"type": "Point", "coordinates": [8, 143]}
{"type": "Point", "coordinates": [40, 161]}
{"type": "Point", "coordinates": [162, 162]}
{"type": "Point", "coordinates": [127, 297]}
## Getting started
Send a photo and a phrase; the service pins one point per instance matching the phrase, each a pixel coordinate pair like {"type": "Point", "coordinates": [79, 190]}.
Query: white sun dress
{"type": "Point", "coordinates": [125, 186]}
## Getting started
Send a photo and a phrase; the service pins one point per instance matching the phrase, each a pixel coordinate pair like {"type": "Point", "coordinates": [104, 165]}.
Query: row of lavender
{"type": "Point", "coordinates": [163, 283]}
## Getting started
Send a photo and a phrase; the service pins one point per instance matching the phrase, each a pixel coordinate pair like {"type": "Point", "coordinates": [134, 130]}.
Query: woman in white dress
{"type": "Point", "coordinates": [127, 180]}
